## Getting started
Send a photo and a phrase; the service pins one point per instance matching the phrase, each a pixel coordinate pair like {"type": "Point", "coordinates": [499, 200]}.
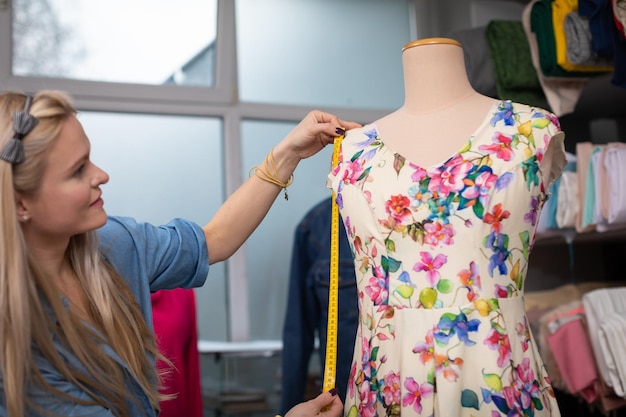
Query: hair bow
{"type": "Point", "coordinates": [23, 124]}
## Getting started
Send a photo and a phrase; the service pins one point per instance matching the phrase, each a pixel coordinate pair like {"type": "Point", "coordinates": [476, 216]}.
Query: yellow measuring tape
{"type": "Point", "coordinates": [330, 363]}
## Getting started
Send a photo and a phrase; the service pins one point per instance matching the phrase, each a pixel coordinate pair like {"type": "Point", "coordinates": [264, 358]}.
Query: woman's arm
{"type": "Point", "coordinates": [244, 210]}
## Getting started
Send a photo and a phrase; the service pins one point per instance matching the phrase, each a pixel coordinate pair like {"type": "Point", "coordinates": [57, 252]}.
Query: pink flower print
{"type": "Point", "coordinates": [449, 178]}
{"type": "Point", "coordinates": [398, 207]}
{"type": "Point", "coordinates": [377, 288]}
{"type": "Point", "coordinates": [501, 291]}
{"type": "Point", "coordinates": [470, 278]}
{"type": "Point", "coordinates": [437, 233]}
{"type": "Point", "coordinates": [521, 396]}
{"type": "Point", "coordinates": [351, 379]}
{"type": "Point", "coordinates": [353, 171]}
{"type": "Point", "coordinates": [426, 349]}
{"type": "Point", "coordinates": [500, 342]}
{"type": "Point", "coordinates": [335, 169]}
{"type": "Point", "coordinates": [391, 388]}
{"type": "Point", "coordinates": [415, 393]}
{"type": "Point", "coordinates": [480, 186]}
{"type": "Point", "coordinates": [521, 328]}
{"type": "Point", "coordinates": [495, 218]}
{"type": "Point", "coordinates": [368, 400]}
{"type": "Point", "coordinates": [431, 266]}
{"type": "Point", "coordinates": [419, 173]}
{"type": "Point", "coordinates": [501, 147]}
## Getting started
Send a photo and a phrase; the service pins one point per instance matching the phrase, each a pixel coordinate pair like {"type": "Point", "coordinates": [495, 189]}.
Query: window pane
{"type": "Point", "coordinates": [162, 167]}
{"type": "Point", "coordinates": [268, 250]}
{"type": "Point", "coordinates": [128, 41]}
{"type": "Point", "coordinates": [344, 53]}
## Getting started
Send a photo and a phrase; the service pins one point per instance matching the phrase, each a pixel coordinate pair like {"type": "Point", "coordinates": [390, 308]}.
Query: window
{"type": "Point", "coordinates": [140, 41]}
{"type": "Point", "coordinates": [224, 87]}
{"type": "Point", "coordinates": [160, 167]}
{"type": "Point", "coordinates": [322, 53]}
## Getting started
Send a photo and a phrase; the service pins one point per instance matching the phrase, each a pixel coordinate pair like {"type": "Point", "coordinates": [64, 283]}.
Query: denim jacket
{"type": "Point", "coordinates": [149, 258]}
{"type": "Point", "coordinates": [307, 305]}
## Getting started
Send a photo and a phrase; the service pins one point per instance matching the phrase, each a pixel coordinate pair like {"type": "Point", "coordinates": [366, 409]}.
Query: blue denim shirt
{"type": "Point", "coordinates": [149, 258]}
{"type": "Point", "coordinates": [307, 305]}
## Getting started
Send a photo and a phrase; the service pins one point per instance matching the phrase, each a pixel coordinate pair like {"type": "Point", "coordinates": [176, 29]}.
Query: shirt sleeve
{"type": "Point", "coordinates": [168, 256]}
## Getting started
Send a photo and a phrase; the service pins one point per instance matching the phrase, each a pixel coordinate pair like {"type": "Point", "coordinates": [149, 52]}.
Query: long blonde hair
{"type": "Point", "coordinates": [26, 294]}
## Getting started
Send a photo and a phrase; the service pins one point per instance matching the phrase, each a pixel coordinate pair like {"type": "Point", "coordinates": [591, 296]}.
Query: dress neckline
{"type": "Point", "coordinates": [464, 146]}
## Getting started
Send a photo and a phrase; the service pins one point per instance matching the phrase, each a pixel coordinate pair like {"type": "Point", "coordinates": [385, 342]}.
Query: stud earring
{"type": "Point", "coordinates": [25, 218]}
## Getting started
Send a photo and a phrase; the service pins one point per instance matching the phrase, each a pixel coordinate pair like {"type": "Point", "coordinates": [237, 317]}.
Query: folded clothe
{"type": "Point", "coordinates": [600, 185]}
{"type": "Point", "coordinates": [612, 342]}
{"type": "Point", "coordinates": [563, 294]}
{"type": "Point", "coordinates": [549, 213]}
{"type": "Point", "coordinates": [578, 48]}
{"type": "Point", "coordinates": [567, 205]}
{"type": "Point", "coordinates": [592, 213]}
{"type": "Point", "coordinates": [562, 93]}
{"type": "Point", "coordinates": [583, 153]}
{"type": "Point", "coordinates": [606, 39]}
{"type": "Point", "coordinates": [541, 24]}
{"type": "Point", "coordinates": [615, 165]}
{"type": "Point", "coordinates": [560, 9]}
{"type": "Point", "coordinates": [572, 351]}
{"type": "Point", "coordinates": [516, 78]}
{"type": "Point", "coordinates": [588, 217]}
{"type": "Point", "coordinates": [603, 177]}
{"type": "Point", "coordinates": [596, 11]}
{"type": "Point", "coordinates": [601, 305]}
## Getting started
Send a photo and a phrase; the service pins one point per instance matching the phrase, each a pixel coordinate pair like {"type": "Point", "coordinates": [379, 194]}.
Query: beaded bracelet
{"type": "Point", "coordinates": [265, 175]}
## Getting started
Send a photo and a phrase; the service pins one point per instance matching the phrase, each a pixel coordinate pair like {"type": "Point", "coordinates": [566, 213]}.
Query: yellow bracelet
{"type": "Point", "coordinates": [265, 175]}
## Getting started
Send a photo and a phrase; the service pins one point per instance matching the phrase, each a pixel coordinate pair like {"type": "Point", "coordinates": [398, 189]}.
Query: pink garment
{"type": "Point", "coordinates": [575, 359]}
{"type": "Point", "coordinates": [175, 327]}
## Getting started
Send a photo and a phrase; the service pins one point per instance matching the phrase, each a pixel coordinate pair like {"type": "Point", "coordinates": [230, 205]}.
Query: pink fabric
{"type": "Point", "coordinates": [175, 327]}
{"type": "Point", "coordinates": [575, 359]}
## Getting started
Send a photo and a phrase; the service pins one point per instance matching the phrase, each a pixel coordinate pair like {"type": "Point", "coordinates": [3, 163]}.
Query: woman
{"type": "Point", "coordinates": [75, 284]}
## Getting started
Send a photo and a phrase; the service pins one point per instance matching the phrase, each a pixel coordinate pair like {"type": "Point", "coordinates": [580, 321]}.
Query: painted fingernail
{"type": "Point", "coordinates": [340, 131]}
{"type": "Point", "coordinates": [333, 391]}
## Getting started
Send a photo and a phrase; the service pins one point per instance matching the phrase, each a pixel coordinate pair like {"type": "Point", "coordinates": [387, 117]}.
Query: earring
{"type": "Point", "coordinates": [25, 218]}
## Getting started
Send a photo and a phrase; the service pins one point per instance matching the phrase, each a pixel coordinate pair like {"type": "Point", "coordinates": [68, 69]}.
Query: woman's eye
{"type": "Point", "coordinates": [79, 171]}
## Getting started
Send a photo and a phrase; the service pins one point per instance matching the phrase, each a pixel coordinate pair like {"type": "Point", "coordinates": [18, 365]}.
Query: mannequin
{"type": "Point", "coordinates": [438, 90]}
{"type": "Point", "coordinates": [440, 201]}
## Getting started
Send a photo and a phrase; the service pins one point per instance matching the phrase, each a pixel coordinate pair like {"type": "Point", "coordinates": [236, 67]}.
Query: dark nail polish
{"type": "Point", "coordinates": [340, 131]}
{"type": "Point", "coordinates": [333, 391]}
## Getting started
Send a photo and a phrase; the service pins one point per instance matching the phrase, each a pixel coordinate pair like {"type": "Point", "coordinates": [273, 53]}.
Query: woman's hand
{"type": "Point", "coordinates": [314, 132]}
{"type": "Point", "coordinates": [242, 212]}
{"type": "Point", "coordinates": [327, 404]}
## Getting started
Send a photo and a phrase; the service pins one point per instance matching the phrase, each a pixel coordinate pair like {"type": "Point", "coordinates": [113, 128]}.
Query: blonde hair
{"type": "Point", "coordinates": [26, 294]}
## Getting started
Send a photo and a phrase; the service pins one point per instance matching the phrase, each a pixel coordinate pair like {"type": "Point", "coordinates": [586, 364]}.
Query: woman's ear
{"type": "Point", "coordinates": [21, 209]}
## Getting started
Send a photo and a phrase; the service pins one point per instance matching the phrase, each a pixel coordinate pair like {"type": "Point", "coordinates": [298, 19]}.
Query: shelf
{"type": "Point", "coordinates": [566, 236]}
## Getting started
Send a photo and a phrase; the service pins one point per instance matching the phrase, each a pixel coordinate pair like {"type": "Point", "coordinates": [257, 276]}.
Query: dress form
{"type": "Point", "coordinates": [441, 109]}
{"type": "Point", "coordinates": [440, 200]}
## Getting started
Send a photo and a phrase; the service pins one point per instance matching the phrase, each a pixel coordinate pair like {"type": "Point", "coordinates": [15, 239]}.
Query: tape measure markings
{"type": "Point", "coordinates": [330, 362]}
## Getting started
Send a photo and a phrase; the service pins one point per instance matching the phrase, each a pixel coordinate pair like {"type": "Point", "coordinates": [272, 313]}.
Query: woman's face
{"type": "Point", "coordinates": [69, 200]}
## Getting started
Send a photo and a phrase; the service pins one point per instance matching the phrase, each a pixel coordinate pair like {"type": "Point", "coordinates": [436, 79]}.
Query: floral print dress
{"type": "Point", "coordinates": [440, 255]}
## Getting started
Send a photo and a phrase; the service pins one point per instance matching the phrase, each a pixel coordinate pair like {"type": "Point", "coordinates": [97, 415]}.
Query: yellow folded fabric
{"type": "Point", "coordinates": [560, 9]}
